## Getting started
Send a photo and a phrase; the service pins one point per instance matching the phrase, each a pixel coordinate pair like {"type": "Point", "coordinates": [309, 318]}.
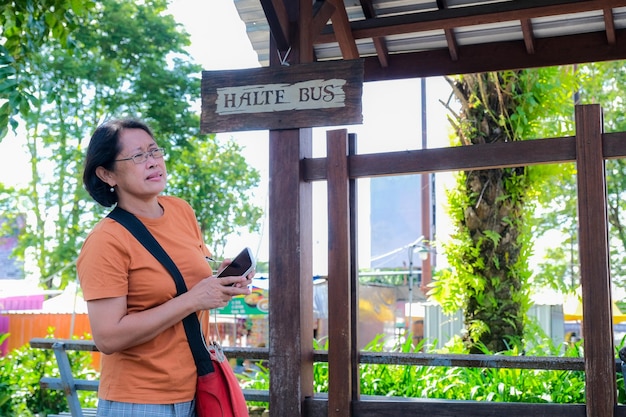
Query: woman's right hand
{"type": "Point", "coordinates": [213, 292]}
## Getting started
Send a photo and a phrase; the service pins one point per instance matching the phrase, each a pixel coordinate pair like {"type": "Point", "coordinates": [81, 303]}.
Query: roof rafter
{"type": "Point", "coordinates": [468, 16]}
{"type": "Point", "coordinates": [379, 43]}
{"type": "Point", "coordinates": [276, 16]}
{"type": "Point", "coordinates": [529, 37]}
{"type": "Point", "coordinates": [609, 24]}
{"type": "Point", "coordinates": [341, 28]}
{"type": "Point", "coordinates": [449, 33]}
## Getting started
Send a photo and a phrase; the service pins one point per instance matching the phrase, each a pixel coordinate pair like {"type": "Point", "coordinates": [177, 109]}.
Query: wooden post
{"type": "Point", "coordinates": [594, 264]}
{"type": "Point", "coordinates": [354, 273]}
{"type": "Point", "coordinates": [291, 245]}
{"type": "Point", "coordinates": [291, 283]}
{"type": "Point", "coordinates": [339, 282]}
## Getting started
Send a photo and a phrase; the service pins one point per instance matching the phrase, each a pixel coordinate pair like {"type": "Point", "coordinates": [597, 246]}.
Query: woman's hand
{"type": "Point", "coordinates": [213, 292]}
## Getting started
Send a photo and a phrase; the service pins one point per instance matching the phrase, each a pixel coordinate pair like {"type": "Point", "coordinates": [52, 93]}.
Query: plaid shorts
{"type": "Point", "coordinates": [117, 409]}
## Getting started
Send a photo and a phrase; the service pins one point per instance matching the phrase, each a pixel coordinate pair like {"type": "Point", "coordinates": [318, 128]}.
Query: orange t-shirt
{"type": "Point", "coordinates": [113, 263]}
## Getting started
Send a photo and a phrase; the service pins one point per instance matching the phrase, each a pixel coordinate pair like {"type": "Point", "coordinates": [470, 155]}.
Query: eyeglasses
{"type": "Point", "coordinates": [140, 158]}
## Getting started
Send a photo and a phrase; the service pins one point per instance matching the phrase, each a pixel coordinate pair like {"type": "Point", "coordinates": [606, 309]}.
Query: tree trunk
{"type": "Point", "coordinates": [492, 219]}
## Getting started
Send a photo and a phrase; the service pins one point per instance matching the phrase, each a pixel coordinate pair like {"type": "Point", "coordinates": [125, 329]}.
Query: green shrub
{"type": "Point", "coordinates": [20, 372]}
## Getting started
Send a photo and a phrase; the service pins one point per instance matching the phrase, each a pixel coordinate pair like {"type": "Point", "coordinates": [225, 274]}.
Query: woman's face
{"type": "Point", "coordinates": [143, 180]}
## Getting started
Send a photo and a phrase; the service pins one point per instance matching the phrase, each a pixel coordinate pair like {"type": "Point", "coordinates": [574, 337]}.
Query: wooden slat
{"type": "Point", "coordinates": [70, 344]}
{"type": "Point", "coordinates": [441, 408]}
{"type": "Point", "coordinates": [87, 412]}
{"type": "Point", "coordinates": [79, 384]}
{"type": "Point", "coordinates": [473, 361]}
{"type": "Point", "coordinates": [393, 407]}
{"type": "Point", "coordinates": [614, 145]}
{"type": "Point", "coordinates": [597, 326]}
{"type": "Point", "coordinates": [467, 361]}
{"type": "Point", "coordinates": [497, 155]}
{"type": "Point", "coordinates": [89, 385]}
{"type": "Point", "coordinates": [339, 285]}
{"type": "Point", "coordinates": [90, 346]}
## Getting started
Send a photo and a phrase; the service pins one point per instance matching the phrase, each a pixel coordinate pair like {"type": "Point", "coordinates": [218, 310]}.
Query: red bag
{"type": "Point", "coordinates": [218, 393]}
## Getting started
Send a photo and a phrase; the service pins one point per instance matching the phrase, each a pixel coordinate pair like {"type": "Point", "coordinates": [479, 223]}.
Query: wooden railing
{"type": "Point", "coordinates": [70, 385]}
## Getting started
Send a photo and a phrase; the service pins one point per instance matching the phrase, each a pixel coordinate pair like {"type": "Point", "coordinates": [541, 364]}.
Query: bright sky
{"type": "Point", "coordinates": [218, 36]}
{"type": "Point", "coordinates": [219, 42]}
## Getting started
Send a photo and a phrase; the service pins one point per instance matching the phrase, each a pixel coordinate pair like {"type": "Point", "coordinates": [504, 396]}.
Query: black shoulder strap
{"type": "Point", "coordinates": [201, 356]}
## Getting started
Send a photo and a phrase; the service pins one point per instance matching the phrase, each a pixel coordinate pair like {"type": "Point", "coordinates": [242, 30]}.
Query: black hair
{"type": "Point", "coordinates": [104, 146]}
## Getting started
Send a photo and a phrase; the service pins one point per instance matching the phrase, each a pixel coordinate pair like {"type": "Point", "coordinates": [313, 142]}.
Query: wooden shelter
{"type": "Point", "coordinates": [399, 39]}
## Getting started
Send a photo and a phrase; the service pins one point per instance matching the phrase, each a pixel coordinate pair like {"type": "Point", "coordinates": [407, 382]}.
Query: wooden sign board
{"type": "Point", "coordinates": [286, 97]}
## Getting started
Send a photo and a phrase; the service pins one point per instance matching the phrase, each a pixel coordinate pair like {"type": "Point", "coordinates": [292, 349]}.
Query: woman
{"type": "Point", "coordinates": [135, 316]}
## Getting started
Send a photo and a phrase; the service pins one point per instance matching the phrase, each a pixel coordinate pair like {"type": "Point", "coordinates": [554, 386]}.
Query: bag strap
{"type": "Point", "coordinates": [191, 323]}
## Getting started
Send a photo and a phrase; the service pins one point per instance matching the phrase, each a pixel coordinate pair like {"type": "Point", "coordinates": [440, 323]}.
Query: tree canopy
{"type": "Point", "coordinates": [125, 59]}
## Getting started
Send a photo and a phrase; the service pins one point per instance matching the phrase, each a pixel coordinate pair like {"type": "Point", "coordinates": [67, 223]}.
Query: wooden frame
{"type": "Point", "coordinates": [589, 148]}
{"type": "Point", "coordinates": [295, 25]}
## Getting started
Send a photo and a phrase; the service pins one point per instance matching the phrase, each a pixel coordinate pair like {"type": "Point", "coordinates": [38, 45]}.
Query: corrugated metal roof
{"type": "Point", "coordinates": [417, 26]}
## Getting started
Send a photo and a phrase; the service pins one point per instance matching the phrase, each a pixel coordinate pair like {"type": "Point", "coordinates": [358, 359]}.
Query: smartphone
{"type": "Point", "coordinates": [243, 263]}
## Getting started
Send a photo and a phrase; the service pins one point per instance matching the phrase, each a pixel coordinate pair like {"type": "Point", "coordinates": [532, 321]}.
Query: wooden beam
{"type": "Point", "coordinates": [494, 155]}
{"type": "Point", "coordinates": [341, 28]}
{"type": "Point", "coordinates": [322, 12]}
{"type": "Point", "coordinates": [378, 406]}
{"type": "Point", "coordinates": [486, 156]}
{"type": "Point", "coordinates": [305, 36]}
{"type": "Point", "coordinates": [276, 16]}
{"type": "Point", "coordinates": [597, 325]}
{"type": "Point", "coordinates": [339, 284]}
{"type": "Point", "coordinates": [564, 50]}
